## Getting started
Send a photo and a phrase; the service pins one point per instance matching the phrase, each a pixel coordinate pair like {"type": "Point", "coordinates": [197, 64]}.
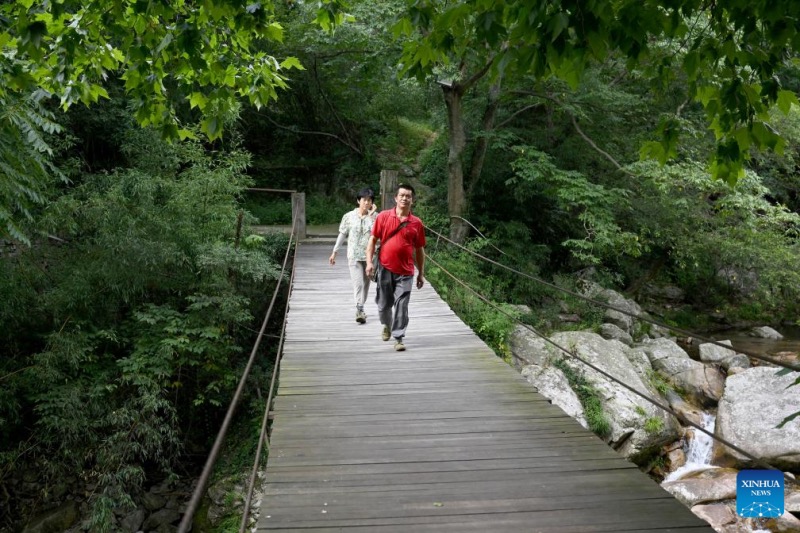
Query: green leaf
{"type": "Point", "coordinates": [212, 127]}
{"type": "Point", "coordinates": [292, 62]}
{"type": "Point", "coordinates": [788, 419]}
{"type": "Point", "coordinates": [198, 100]}
{"type": "Point", "coordinates": [786, 99]}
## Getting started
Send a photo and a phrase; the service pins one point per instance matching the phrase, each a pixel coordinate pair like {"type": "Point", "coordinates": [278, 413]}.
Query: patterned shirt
{"type": "Point", "coordinates": [358, 230]}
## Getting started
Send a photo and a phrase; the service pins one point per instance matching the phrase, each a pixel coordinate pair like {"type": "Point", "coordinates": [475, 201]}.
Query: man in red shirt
{"type": "Point", "coordinates": [402, 238]}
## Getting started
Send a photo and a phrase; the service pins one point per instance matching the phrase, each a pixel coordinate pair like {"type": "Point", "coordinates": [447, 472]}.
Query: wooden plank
{"type": "Point", "coordinates": [443, 437]}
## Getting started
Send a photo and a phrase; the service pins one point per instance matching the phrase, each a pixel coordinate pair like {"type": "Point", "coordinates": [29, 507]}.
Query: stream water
{"type": "Point", "coordinates": [698, 452]}
{"type": "Point", "coordinates": [740, 340]}
{"type": "Point", "coordinates": [699, 449]}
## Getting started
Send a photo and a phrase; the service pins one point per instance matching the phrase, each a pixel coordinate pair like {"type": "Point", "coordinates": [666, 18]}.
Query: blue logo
{"type": "Point", "coordinates": [759, 493]}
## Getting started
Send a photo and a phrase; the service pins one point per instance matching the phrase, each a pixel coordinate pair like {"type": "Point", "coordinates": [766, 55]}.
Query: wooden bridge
{"type": "Point", "coordinates": [443, 437]}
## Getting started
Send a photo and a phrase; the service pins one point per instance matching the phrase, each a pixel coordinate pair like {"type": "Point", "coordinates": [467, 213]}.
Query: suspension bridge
{"type": "Point", "coordinates": [442, 437]}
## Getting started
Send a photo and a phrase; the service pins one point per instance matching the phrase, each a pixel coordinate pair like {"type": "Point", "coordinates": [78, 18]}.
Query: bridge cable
{"type": "Point", "coordinates": [263, 438]}
{"type": "Point", "coordinates": [656, 403]}
{"type": "Point", "coordinates": [188, 516]}
{"type": "Point", "coordinates": [768, 359]}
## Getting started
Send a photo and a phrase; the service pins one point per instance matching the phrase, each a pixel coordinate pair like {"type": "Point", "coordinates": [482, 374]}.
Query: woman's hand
{"type": "Point", "coordinates": [332, 259]}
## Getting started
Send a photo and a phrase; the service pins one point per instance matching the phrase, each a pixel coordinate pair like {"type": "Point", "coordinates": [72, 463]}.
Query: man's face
{"type": "Point", "coordinates": [404, 198]}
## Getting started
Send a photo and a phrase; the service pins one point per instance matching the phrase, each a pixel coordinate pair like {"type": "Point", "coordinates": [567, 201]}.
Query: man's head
{"type": "Point", "coordinates": [404, 195]}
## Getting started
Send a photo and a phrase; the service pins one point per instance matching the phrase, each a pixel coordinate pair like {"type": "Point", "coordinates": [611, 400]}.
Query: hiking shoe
{"type": "Point", "coordinates": [361, 318]}
{"type": "Point", "coordinates": [399, 346]}
{"type": "Point", "coordinates": [386, 334]}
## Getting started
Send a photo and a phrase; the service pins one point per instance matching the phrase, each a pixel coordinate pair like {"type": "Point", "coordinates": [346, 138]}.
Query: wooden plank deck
{"type": "Point", "coordinates": [443, 437]}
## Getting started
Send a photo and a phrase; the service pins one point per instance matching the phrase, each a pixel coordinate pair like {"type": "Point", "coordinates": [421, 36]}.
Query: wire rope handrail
{"type": "Point", "coordinates": [263, 437]}
{"type": "Point", "coordinates": [776, 362]}
{"type": "Point", "coordinates": [656, 403]}
{"type": "Point", "coordinates": [188, 516]}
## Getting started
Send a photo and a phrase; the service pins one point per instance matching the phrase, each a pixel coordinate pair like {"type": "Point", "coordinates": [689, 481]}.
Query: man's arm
{"type": "Point", "coordinates": [370, 252]}
{"type": "Point", "coordinates": [420, 267]}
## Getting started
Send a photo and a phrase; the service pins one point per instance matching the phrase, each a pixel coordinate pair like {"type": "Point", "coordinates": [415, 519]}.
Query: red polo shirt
{"type": "Point", "coordinates": [397, 254]}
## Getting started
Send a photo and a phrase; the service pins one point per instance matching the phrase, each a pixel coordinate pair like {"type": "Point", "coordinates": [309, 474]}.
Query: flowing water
{"type": "Point", "coordinates": [698, 452]}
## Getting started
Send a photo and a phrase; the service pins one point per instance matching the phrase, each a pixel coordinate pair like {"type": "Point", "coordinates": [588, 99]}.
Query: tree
{"type": "Point", "coordinates": [728, 53]}
{"type": "Point", "coordinates": [207, 53]}
{"type": "Point", "coordinates": [177, 61]}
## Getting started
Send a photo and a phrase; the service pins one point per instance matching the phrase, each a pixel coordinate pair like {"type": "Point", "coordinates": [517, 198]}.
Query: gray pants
{"type": "Point", "coordinates": [360, 282]}
{"type": "Point", "coordinates": [393, 295]}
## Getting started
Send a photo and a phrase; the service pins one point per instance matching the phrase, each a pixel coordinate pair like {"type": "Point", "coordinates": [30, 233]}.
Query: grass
{"type": "Point", "coordinates": [589, 397]}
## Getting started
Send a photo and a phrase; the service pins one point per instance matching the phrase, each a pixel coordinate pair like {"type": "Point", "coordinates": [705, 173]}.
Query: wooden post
{"type": "Point", "coordinates": [388, 185]}
{"type": "Point", "coordinates": [299, 213]}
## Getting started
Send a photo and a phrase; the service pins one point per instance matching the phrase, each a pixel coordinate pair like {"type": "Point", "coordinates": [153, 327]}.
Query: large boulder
{"type": "Point", "coordinates": [527, 348]}
{"type": "Point", "coordinates": [704, 384]}
{"type": "Point", "coordinates": [755, 401]}
{"type": "Point", "coordinates": [620, 316]}
{"type": "Point", "coordinates": [638, 427]}
{"type": "Point", "coordinates": [765, 332]}
{"type": "Point", "coordinates": [704, 486]}
{"type": "Point", "coordinates": [724, 357]}
{"type": "Point", "coordinates": [553, 385]}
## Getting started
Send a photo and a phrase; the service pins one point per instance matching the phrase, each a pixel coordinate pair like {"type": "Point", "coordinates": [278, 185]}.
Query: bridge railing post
{"type": "Point", "coordinates": [388, 185]}
{"type": "Point", "coordinates": [299, 213]}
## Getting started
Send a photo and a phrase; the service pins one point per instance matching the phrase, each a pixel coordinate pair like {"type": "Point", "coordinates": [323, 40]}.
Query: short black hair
{"type": "Point", "coordinates": [366, 192]}
{"type": "Point", "coordinates": [405, 186]}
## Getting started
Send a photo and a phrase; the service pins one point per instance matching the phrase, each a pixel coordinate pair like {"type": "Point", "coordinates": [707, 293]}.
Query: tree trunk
{"type": "Point", "coordinates": [456, 195]}
{"type": "Point", "coordinates": [482, 145]}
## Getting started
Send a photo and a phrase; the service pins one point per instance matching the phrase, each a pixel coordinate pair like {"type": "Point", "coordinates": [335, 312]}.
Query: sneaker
{"type": "Point", "coordinates": [399, 346]}
{"type": "Point", "coordinates": [361, 318]}
{"type": "Point", "coordinates": [386, 334]}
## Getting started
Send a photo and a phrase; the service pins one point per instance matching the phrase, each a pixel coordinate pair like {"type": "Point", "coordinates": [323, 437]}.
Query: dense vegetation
{"type": "Point", "coordinates": [130, 301]}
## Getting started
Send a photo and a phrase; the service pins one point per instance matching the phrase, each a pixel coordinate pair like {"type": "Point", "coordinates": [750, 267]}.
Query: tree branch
{"type": "Point", "coordinates": [303, 132]}
{"type": "Point", "coordinates": [597, 148]}
{"type": "Point", "coordinates": [518, 112]}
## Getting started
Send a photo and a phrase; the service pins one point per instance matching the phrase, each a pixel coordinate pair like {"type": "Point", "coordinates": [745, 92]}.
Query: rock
{"type": "Point", "coordinates": [553, 385]}
{"type": "Point", "coordinates": [754, 403]}
{"type": "Point", "coordinates": [55, 520]}
{"type": "Point", "coordinates": [637, 426]}
{"type": "Point", "coordinates": [164, 517]}
{"type": "Point", "coordinates": [153, 502]}
{"type": "Point", "coordinates": [704, 384]}
{"type": "Point", "coordinates": [684, 408]}
{"type": "Point", "coordinates": [527, 348]}
{"type": "Point", "coordinates": [676, 458]}
{"type": "Point", "coordinates": [705, 486]}
{"type": "Point", "coordinates": [765, 332]}
{"type": "Point", "coordinates": [712, 353]}
{"type": "Point", "coordinates": [612, 331]}
{"type": "Point", "coordinates": [133, 521]}
{"type": "Point", "coordinates": [716, 514]}
{"type": "Point", "coordinates": [639, 360]}
{"type": "Point", "coordinates": [787, 523]}
{"type": "Point", "coordinates": [520, 308]}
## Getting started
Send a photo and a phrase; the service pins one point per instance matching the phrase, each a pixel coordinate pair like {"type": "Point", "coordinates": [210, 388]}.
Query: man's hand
{"type": "Point", "coordinates": [420, 281]}
{"type": "Point", "coordinates": [370, 269]}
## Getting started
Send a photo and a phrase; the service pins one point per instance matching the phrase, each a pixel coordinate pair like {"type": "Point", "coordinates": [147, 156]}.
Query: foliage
{"type": "Point", "coordinates": [205, 53]}
{"type": "Point", "coordinates": [653, 424]}
{"type": "Point", "coordinates": [25, 168]}
{"type": "Point", "coordinates": [491, 324]}
{"type": "Point", "coordinates": [587, 207]}
{"type": "Point", "coordinates": [129, 346]}
{"type": "Point", "coordinates": [728, 55]}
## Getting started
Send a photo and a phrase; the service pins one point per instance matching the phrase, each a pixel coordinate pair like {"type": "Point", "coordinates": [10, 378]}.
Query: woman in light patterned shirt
{"type": "Point", "coordinates": [356, 226]}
